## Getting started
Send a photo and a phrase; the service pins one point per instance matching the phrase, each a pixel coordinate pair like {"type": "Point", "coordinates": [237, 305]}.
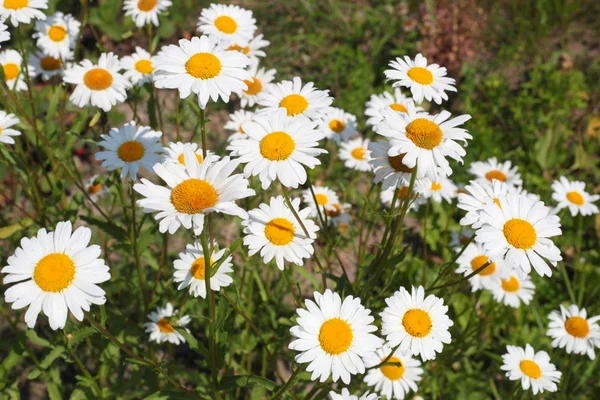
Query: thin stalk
{"type": "Point", "coordinates": [363, 213]}
{"type": "Point", "coordinates": [289, 382]}
{"type": "Point", "coordinates": [456, 282]}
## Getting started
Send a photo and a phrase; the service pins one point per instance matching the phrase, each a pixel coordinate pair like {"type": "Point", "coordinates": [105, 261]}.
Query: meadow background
{"type": "Point", "coordinates": [527, 71]}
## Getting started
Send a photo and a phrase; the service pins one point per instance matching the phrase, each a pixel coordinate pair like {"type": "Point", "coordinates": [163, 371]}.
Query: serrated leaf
{"type": "Point", "coordinates": [52, 356]}
{"type": "Point", "coordinates": [8, 231]}
{"type": "Point", "coordinates": [33, 336]}
{"type": "Point", "coordinates": [80, 335]}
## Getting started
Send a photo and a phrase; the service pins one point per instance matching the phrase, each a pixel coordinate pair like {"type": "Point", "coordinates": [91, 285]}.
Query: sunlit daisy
{"type": "Point", "coordinates": [425, 81]}
{"type": "Point", "coordinates": [389, 170]}
{"type": "Point", "coordinates": [228, 23]}
{"type": "Point", "coordinates": [474, 258]}
{"type": "Point", "coordinates": [387, 196]}
{"type": "Point", "coordinates": [443, 188]}
{"type": "Point", "coordinates": [572, 195]}
{"type": "Point", "coordinates": [334, 336]}
{"type": "Point", "coordinates": [338, 125]}
{"type": "Point", "coordinates": [571, 328]}
{"type": "Point", "coordinates": [395, 379]}
{"type": "Point", "coordinates": [253, 48]}
{"type": "Point", "coordinates": [345, 395]}
{"type": "Point", "coordinates": [326, 199]}
{"type": "Point", "coordinates": [356, 154]}
{"type": "Point", "coordinates": [11, 62]}
{"type": "Point", "coordinates": [417, 323]}
{"type": "Point", "coordinates": [492, 169]}
{"type": "Point", "coordinates": [533, 369]}
{"type": "Point", "coordinates": [129, 148]}
{"type": "Point", "coordinates": [145, 11]}
{"type": "Point", "coordinates": [7, 121]}
{"type": "Point", "coordinates": [517, 288]}
{"type": "Point", "coordinates": [257, 84]}
{"type": "Point", "coordinates": [235, 122]}
{"type": "Point", "coordinates": [161, 330]}
{"type": "Point", "coordinates": [4, 34]}
{"type": "Point", "coordinates": [95, 188]}
{"type": "Point", "coordinates": [274, 230]}
{"type": "Point", "coordinates": [174, 152]}
{"type": "Point", "coordinates": [477, 195]}
{"type": "Point", "coordinates": [22, 11]}
{"type": "Point", "coordinates": [377, 102]}
{"type": "Point", "coordinates": [58, 272]}
{"type": "Point", "coordinates": [47, 66]}
{"type": "Point", "coordinates": [295, 98]}
{"type": "Point", "coordinates": [57, 35]}
{"type": "Point", "coordinates": [139, 67]}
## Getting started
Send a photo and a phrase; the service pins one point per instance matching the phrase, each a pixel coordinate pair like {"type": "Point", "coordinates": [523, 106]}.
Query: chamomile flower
{"type": "Point", "coordinates": [22, 11]}
{"type": "Point", "coordinates": [228, 23]}
{"type": "Point", "coordinates": [203, 67]}
{"type": "Point", "coordinates": [443, 188]}
{"type": "Point", "coordinates": [389, 170]}
{"type": "Point", "coordinates": [253, 48]}
{"type": "Point", "coordinates": [487, 171]}
{"type": "Point", "coordinates": [377, 102]}
{"type": "Point", "coordinates": [11, 61]}
{"type": "Point", "coordinates": [425, 81]}
{"type": "Point", "coordinates": [334, 336]}
{"type": "Point", "coordinates": [57, 35]}
{"type": "Point", "coordinates": [571, 328]}
{"type": "Point", "coordinates": [57, 272]}
{"type": "Point", "coordinates": [235, 122]}
{"type": "Point", "coordinates": [46, 66]}
{"type": "Point", "coordinates": [192, 191]}
{"type": "Point", "coordinates": [7, 121]}
{"type": "Point", "coordinates": [325, 199]}
{"type": "Point", "coordinates": [139, 67]}
{"type": "Point", "coordinates": [517, 288]}
{"type": "Point", "coordinates": [345, 395]}
{"type": "Point", "coordinates": [4, 34]}
{"type": "Point", "coordinates": [278, 147]}
{"type": "Point", "coordinates": [273, 230]}
{"type": "Point", "coordinates": [100, 85]}
{"type": "Point", "coordinates": [338, 125]}
{"type": "Point", "coordinates": [387, 196]}
{"type": "Point", "coordinates": [356, 154]}
{"type": "Point", "coordinates": [257, 84]}
{"type": "Point", "coordinates": [160, 328]}
{"type": "Point", "coordinates": [474, 258]}
{"type": "Point", "coordinates": [425, 140]}
{"type": "Point", "coordinates": [174, 152]}
{"type": "Point", "coordinates": [94, 188]}
{"type": "Point", "coordinates": [129, 148]}
{"type": "Point", "coordinates": [396, 379]}
{"type": "Point", "coordinates": [519, 231]}
{"type": "Point", "coordinates": [477, 195]}
{"type": "Point", "coordinates": [145, 11]}
{"type": "Point", "coordinates": [295, 98]}
{"type": "Point", "coordinates": [533, 369]}
{"type": "Point", "coordinates": [338, 214]}
{"type": "Point", "coordinates": [572, 195]}
{"type": "Point", "coordinates": [417, 323]}
{"type": "Point", "coordinates": [190, 270]}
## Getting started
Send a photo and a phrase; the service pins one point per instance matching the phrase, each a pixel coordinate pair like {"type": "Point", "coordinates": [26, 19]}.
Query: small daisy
{"type": "Point", "coordinates": [278, 147]}
{"type": "Point", "coordinates": [492, 169]}
{"type": "Point", "coordinates": [161, 330]}
{"type": "Point", "coordinates": [190, 270]}
{"type": "Point", "coordinates": [397, 102]}
{"type": "Point", "coordinates": [519, 231]}
{"type": "Point", "coordinates": [228, 23]}
{"type": "Point", "coordinates": [257, 84]}
{"type": "Point", "coordinates": [94, 188]}
{"type": "Point", "coordinates": [201, 66]}
{"type": "Point", "coordinates": [139, 67]}
{"type": "Point", "coordinates": [533, 369]}
{"type": "Point", "coordinates": [129, 148]}
{"type": "Point", "coordinates": [273, 229]}
{"type": "Point", "coordinates": [514, 290]}
{"type": "Point", "coordinates": [338, 214]}
{"type": "Point", "coordinates": [425, 140]}
{"type": "Point", "coordinates": [334, 336]}
{"type": "Point", "coordinates": [443, 188]}
{"type": "Point", "coordinates": [235, 122]}
{"type": "Point", "coordinates": [338, 125]}
{"type": "Point", "coordinates": [345, 395]}
{"type": "Point", "coordinates": [145, 11]}
{"type": "Point", "coordinates": [417, 323]}
{"type": "Point", "coordinates": [58, 272]}
{"type": "Point", "coordinates": [253, 49]}
{"type": "Point", "coordinates": [572, 329]}
{"type": "Point", "coordinates": [296, 99]}
{"type": "Point", "coordinates": [356, 154]}
{"type": "Point", "coordinates": [326, 199]}
{"type": "Point", "coordinates": [11, 62]}
{"type": "Point", "coordinates": [393, 381]}
{"type": "Point", "coordinates": [387, 196]}
{"type": "Point", "coordinates": [572, 195]}
{"type": "Point", "coordinates": [474, 258]}
{"type": "Point", "coordinates": [6, 132]}
{"type": "Point", "coordinates": [476, 196]}
{"type": "Point", "coordinates": [22, 11]}
{"type": "Point", "coordinates": [390, 170]}
{"type": "Point", "coordinates": [100, 85]}
{"type": "Point", "coordinates": [4, 34]}
{"type": "Point", "coordinates": [192, 191]}
{"type": "Point", "coordinates": [57, 35]}
{"type": "Point", "coordinates": [174, 152]}
{"type": "Point", "coordinates": [425, 81]}
{"type": "Point", "coordinates": [47, 66]}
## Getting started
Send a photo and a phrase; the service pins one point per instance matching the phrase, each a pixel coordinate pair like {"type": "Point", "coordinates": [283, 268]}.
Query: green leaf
{"type": "Point", "coordinates": [171, 395]}
{"type": "Point", "coordinates": [247, 380]}
{"type": "Point", "coordinates": [194, 344]}
{"type": "Point", "coordinates": [80, 335]}
{"type": "Point", "coordinates": [52, 356]}
{"type": "Point", "coordinates": [54, 391]}
{"type": "Point", "coordinates": [33, 336]}
{"type": "Point", "coordinates": [8, 231]}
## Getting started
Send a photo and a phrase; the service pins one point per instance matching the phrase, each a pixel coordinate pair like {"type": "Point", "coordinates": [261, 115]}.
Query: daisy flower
{"type": "Point", "coordinates": [425, 81]}
{"type": "Point", "coordinates": [517, 288]}
{"type": "Point", "coordinates": [235, 122]}
{"type": "Point", "coordinates": [11, 62]}
{"type": "Point", "coordinates": [533, 369]}
{"type": "Point", "coordinates": [443, 188]}
{"type": "Point", "coordinates": [295, 99]}
{"type": "Point", "coordinates": [4, 34]}
{"type": "Point", "coordinates": [228, 23]}
{"type": "Point", "coordinates": [487, 171]}
{"type": "Point", "coordinates": [326, 200]}
{"type": "Point", "coordinates": [393, 381]}
{"type": "Point", "coordinates": [100, 85]}
{"type": "Point", "coordinates": [387, 196]}
{"type": "Point", "coordinates": [201, 66]}
{"type": "Point", "coordinates": [338, 213]}
{"type": "Point", "coordinates": [356, 154]}
{"type": "Point", "coordinates": [192, 191]}
{"type": "Point", "coordinates": [257, 84]}
{"type": "Point", "coordinates": [477, 195]}
{"type": "Point", "coordinates": [6, 132]}
{"type": "Point", "coordinates": [22, 11]}
{"type": "Point", "coordinates": [519, 231]}
{"type": "Point", "coordinates": [389, 170]}
{"type": "Point", "coordinates": [345, 395]}
{"type": "Point", "coordinates": [474, 258]}
{"type": "Point", "coordinates": [572, 329]}
{"type": "Point", "coordinates": [273, 229]}
{"type": "Point", "coordinates": [57, 35]}
{"type": "Point", "coordinates": [160, 328]}
{"type": "Point", "coordinates": [417, 323]}
{"type": "Point", "coordinates": [58, 272]}
{"type": "Point", "coordinates": [174, 152]}
{"type": "Point", "coordinates": [190, 270]}
{"type": "Point", "coordinates": [253, 49]}
{"type": "Point", "coordinates": [139, 67]}
{"type": "Point", "coordinates": [334, 336]}
{"type": "Point", "coordinates": [95, 188]}
{"type": "Point", "coordinates": [46, 66]}
{"type": "Point", "coordinates": [397, 102]}
{"type": "Point", "coordinates": [572, 195]}
{"type": "Point", "coordinates": [145, 11]}
{"type": "Point", "coordinates": [278, 147]}
{"type": "Point", "coordinates": [425, 140]}
{"type": "Point", "coordinates": [338, 125]}
{"type": "Point", "coordinates": [129, 148]}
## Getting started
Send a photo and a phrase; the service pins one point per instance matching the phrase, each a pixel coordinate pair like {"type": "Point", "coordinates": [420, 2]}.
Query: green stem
{"type": "Point", "coordinates": [289, 382]}
{"type": "Point", "coordinates": [472, 274]}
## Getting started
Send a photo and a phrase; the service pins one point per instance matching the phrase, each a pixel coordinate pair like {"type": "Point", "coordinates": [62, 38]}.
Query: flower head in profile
{"type": "Point", "coordinates": [22, 11]}
{"type": "Point", "coordinates": [397, 377]}
{"type": "Point", "coordinates": [572, 195]}
{"type": "Point", "coordinates": [338, 125]}
{"type": "Point", "coordinates": [145, 12]}
{"type": "Point", "coordinates": [161, 324]}
{"type": "Point", "coordinates": [533, 369]}
{"type": "Point", "coordinates": [356, 154]}
{"type": "Point", "coordinates": [139, 67]}
{"type": "Point", "coordinates": [229, 24]}
{"type": "Point", "coordinates": [396, 101]}
{"type": "Point", "coordinates": [57, 35]}
{"type": "Point", "coordinates": [571, 328]}
{"type": "Point", "coordinates": [235, 122]}
{"type": "Point", "coordinates": [490, 170]}
{"type": "Point", "coordinates": [7, 121]}
{"type": "Point", "coordinates": [95, 188]}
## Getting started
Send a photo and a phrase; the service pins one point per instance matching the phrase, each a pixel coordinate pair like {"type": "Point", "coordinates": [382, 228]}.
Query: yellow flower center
{"type": "Point", "coordinates": [15, 4]}
{"type": "Point", "coordinates": [54, 272]}
{"type": "Point", "coordinates": [359, 153]}
{"type": "Point", "coordinates": [279, 231]}
{"type": "Point", "coordinates": [393, 372]}
{"type": "Point", "coordinates": [417, 322]}
{"type": "Point", "coordinates": [192, 196]}
{"type": "Point", "coordinates": [131, 151]}
{"type": "Point", "coordinates": [144, 67]}
{"type": "Point", "coordinates": [199, 267]}
{"type": "Point", "coordinates": [93, 189]}
{"type": "Point", "coordinates": [51, 64]}
{"type": "Point", "coordinates": [336, 125]}
{"type": "Point", "coordinates": [335, 212]}
{"type": "Point", "coordinates": [397, 164]}
{"type": "Point", "coordinates": [511, 285]}
{"type": "Point", "coordinates": [164, 326]}
{"type": "Point", "coordinates": [203, 66]}
{"type": "Point", "coordinates": [254, 86]}
{"type": "Point", "coordinates": [520, 233]}
{"type": "Point", "coordinates": [496, 174]}
{"type": "Point", "coordinates": [294, 104]}
{"type": "Point", "coordinates": [11, 71]}
{"type": "Point", "coordinates": [398, 107]}
{"type": "Point", "coordinates": [277, 146]}
{"type": "Point", "coordinates": [237, 47]}
{"type": "Point", "coordinates": [146, 5]}
{"type": "Point", "coordinates": [226, 24]}
{"type": "Point", "coordinates": [98, 79]}
{"type": "Point", "coordinates": [420, 75]}
{"type": "Point", "coordinates": [181, 158]}
{"type": "Point", "coordinates": [322, 199]}
{"type": "Point", "coordinates": [577, 326]}
{"type": "Point", "coordinates": [575, 198]}
{"type": "Point", "coordinates": [424, 133]}
{"type": "Point", "coordinates": [531, 369]}
{"type": "Point", "coordinates": [436, 186]}
{"type": "Point", "coordinates": [335, 336]}
{"type": "Point", "coordinates": [57, 33]}
{"type": "Point", "coordinates": [479, 262]}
